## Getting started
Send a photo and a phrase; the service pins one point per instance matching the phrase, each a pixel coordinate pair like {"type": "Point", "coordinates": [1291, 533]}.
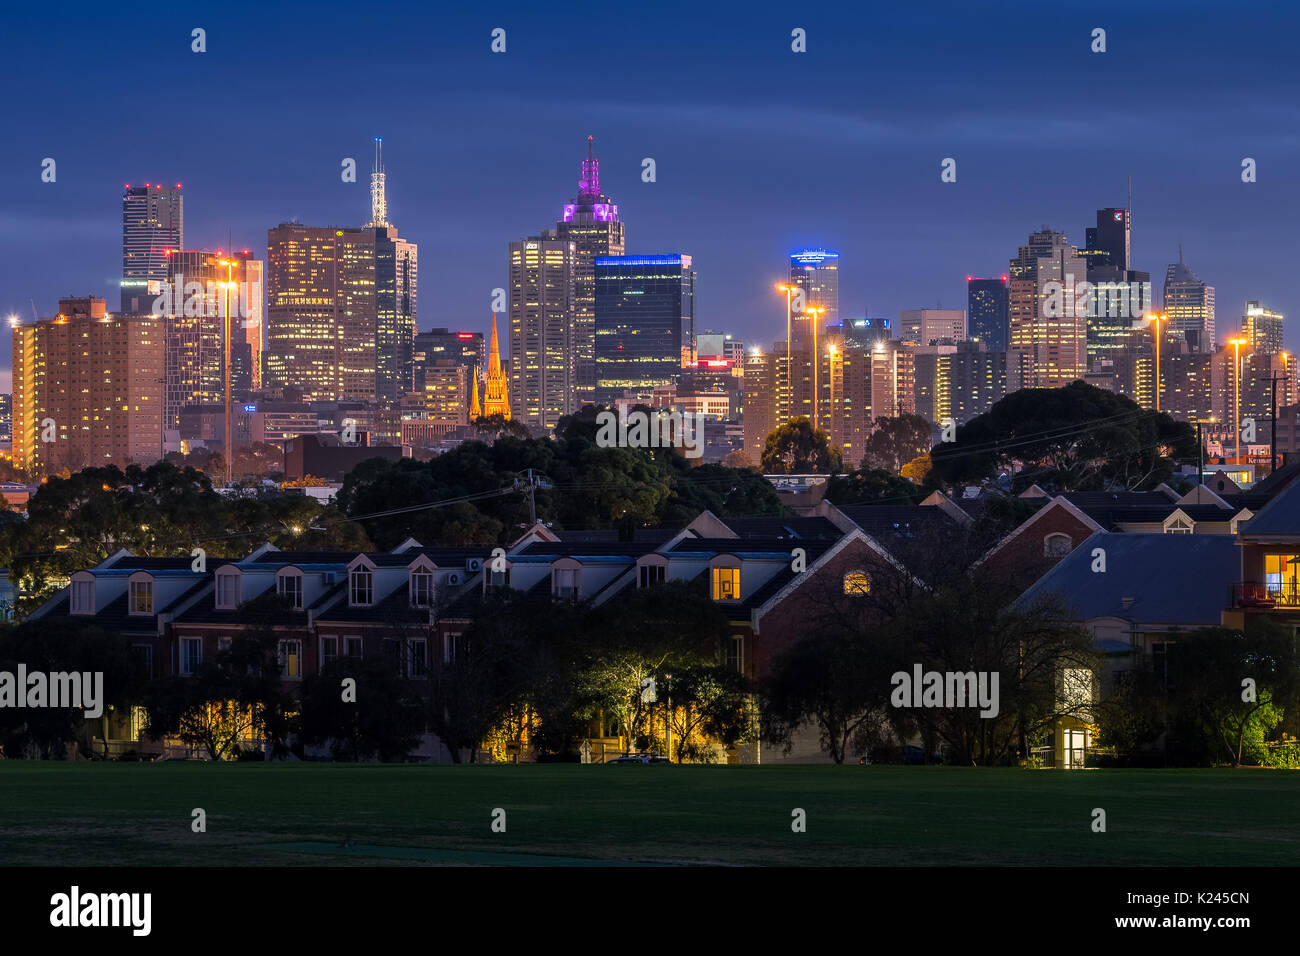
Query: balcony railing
{"type": "Point", "coordinates": [1254, 594]}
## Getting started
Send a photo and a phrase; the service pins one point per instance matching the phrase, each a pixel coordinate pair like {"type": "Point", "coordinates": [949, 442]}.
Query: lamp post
{"type": "Point", "coordinates": [830, 370]}
{"type": "Point", "coordinates": [1236, 344]}
{"type": "Point", "coordinates": [816, 313]}
{"type": "Point", "coordinates": [789, 333]}
{"type": "Point", "coordinates": [1157, 318]}
{"type": "Point", "coordinates": [226, 365]}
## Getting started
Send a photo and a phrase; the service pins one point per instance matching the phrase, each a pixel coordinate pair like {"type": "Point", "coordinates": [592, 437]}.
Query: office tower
{"type": "Point", "coordinates": [341, 307]}
{"type": "Point", "coordinates": [87, 389]}
{"type": "Point", "coordinates": [893, 379]}
{"type": "Point", "coordinates": [1186, 392]}
{"type": "Point", "coordinates": [192, 310]}
{"type": "Point", "coordinates": [761, 401]}
{"type": "Point", "coordinates": [543, 355]}
{"type": "Point", "coordinates": [986, 311]}
{"type": "Point", "coordinates": [496, 397]}
{"type": "Point", "coordinates": [464, 348]}
{"type": "Point", "coordinates": [1189, 303]}
{"type": "Point", "coordinates": [927, 326]}
{"type": "Point", "coordinates": [933, 383]}
{"type": "Point", "coordinates": [592, 224]}
{"type": "Point", "coordinates": [849, 416]}
{"type": "Point", "coordinates": [817, 273]}
{"type": "Point", "coordinates": [1051, 338]}
{"type": "Point", "coordinates": [1120, 296]}
{"type": "Point", "coordinates": [1262, 328]}
{"type": "Point", "coordinates": [859, 333]}
{"type": "Point", "coordinates": [153, 223]}
{"type": "Point", "coordinates": [976, 379]}
{"type": "Point", "coordinates": [645, 322]}
{"type": "Point", "coordinates": [445, 395]}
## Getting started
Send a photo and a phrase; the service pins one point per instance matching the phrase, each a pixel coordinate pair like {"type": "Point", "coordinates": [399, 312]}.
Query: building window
{"type": "Point", "coordinates": [857, 584]}
{"type": "Point", "coordinates": [361, 587]}
{"type": "Point", "coordinates": [652, 574]}
{"type": "Point", "coordinates": [726, 584]}
{"type": "Point", "coordinates": [352, 648]}
{"type": "Point", "coordinates": [227, 591]}
{"type": "Point", "coordinates": [418, 655]}
{"type": "Point", "coordinates": [1282, 577]}
{"type": "Point", "coordinates": [83, 597]}
{"type": "Point", "coordinates": [144, 656]}
{"type": "Point", "coordinates": [499, 579]}
{"type": "Point", "coordinates": [565, 583]}
{"type": "Point", "coordinates": [1057, 545]}
{"type": "Point", "coordinates": [736, 655]}
{"type": "Point", "coordinates": [422, 588]}
{"type": "Point", "coordinates": [191, 654]}
{"type": "Point", "coordinates": [1178, 526]}
{"type": "Point", "coordinates": [454, 648]}
{"type": "Point", "coordinates": [329, 650]}
{"type": "Point", "coordinates": [141, 597]}
{"type": "Point", "coordinates": [290, 653]}
{"type": "Point", "coordinates": [289, 587]}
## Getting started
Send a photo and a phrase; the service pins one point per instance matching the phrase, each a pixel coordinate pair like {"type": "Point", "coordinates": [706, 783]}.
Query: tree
{"type": "Point", "coordinates": [703, 703]}
{"type": "Point", "coordinates": [496, 425]}
{"type": "Point", "coordinates": [796, 448]}
{"type": "Point", "coordinates": [868, 485]}
{"type": "Point", "coordinates": [738, 459]}
{"type": "Point", "coordinates": [383, 719]}
{"type": "Point", "coordinates": [895, 441]}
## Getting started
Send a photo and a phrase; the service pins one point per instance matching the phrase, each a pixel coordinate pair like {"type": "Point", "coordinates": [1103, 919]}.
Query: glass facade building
{"type": "Point", "coordinates": [645, 322]}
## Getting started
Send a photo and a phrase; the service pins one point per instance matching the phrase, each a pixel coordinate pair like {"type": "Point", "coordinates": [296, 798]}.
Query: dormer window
{"type": "Point", "coordinates": [140, 595]}
{"type": "Point", "coordinates": [564, 583]}
{"type": "Point", "coordinates": [361, 587]}
{"type": "Point", "coordinates": [857, 584]}
{"type": "Point", "coordinates": [83, 594]}
{"type": "Point", "coordinates": [422, 587]}
{"type": "Point", "coordinates": [288, 584]}
{"type": "Point", "coordinates": [1178, 525]}
{"type": "Point", "coordinates": [228, 590]}
{"type": "Point", "coordinates": [726, 584]}
{"type": "Point", "coordinates": [1057, 545]}
{"type": "Point", "coordinates": [652, 571]}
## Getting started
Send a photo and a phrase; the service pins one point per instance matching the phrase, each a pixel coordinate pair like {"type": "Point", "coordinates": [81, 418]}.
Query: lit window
{"type": "Point", "coordinates": [1057, 545]}
{"type": "Point", "coordinates": [227, 591]}
{"type": "Point", "coordinates": [857, 584]}
{"type": "Point", "coordinates": [289, 587]}
{"type": "Point", "coordinates": [290, 655]}
{"type": "Point", "coordinates": [362, 587]}
{"type": "Point", "coordinates": [422, 588]}
{"type": "Point", "coordinates": [141, 597]}
{"type": "Point", "coordinates": [726, 584]}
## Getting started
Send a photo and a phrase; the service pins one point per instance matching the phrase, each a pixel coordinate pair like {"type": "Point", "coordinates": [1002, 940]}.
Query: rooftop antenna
{"type": "Point", "coordinates": [378, 201]}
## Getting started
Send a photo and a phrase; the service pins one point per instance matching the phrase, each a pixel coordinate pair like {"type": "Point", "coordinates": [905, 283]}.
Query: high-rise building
{"type": "Point", "coordinates": [977, 378]}
{"type": "Point", "coordinates": [986, 311]}
{"type": "Point", "coordinates": [1052, 341]}
{"type": "Point", "coordinates": [6, 419]}
{"type": "Point", "coordinates": [1189, 303]}
{"type": "Point", "coordinates": [893, 379]}
{"type": "Point", "coordinates": [645, 322]}
{"type": "Point", "coordinates": [153, 224]}
{"type": "Point", "coordinates": [817, 273]}
{"type": "Point", "coordinates": [933, 382]}
{"type": "Point", "coordinates": [1120, 296]}
{"type": "Point", "coordinates": [341, 306]}
{"type": "Point", "coordinates": [928, 326]}
{"type": "Point", "coordinates": [87, 389]}
{"type": "Point", "coordinates": [464, 348]}
{"type": "Point", "coordinates": [1262, 328]}
{"type": "Point", "coordinates": [543, 354]}
{"type": "Point", "coordinates": [592, 224]}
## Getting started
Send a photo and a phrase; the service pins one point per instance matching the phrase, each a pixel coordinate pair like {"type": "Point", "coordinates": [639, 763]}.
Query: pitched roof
{"type": "Point", "coordinates": [1181, 579]}
{"type": "Point", "coordinates": [883, 522]}
{"type": "Point", "coordinates": [1281, 516]}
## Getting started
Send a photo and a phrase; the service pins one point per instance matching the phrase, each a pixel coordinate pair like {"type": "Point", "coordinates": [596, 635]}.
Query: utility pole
{"type": "Point", "coordinates": [1200, 455]}
{"type": "Point", "coordinates": [229, 450]}
{"type": "Point", "coordinates": [532, 499]}
{"type": "Point", "coordinates": [1272, 432]}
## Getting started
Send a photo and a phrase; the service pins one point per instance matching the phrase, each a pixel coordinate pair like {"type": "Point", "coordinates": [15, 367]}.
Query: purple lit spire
{"type": "Point", "coordinates": [589, 184]}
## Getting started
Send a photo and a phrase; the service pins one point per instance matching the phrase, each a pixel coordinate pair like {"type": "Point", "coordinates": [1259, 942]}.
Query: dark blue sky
{"type": "Point", "coordinates": [759, 150]}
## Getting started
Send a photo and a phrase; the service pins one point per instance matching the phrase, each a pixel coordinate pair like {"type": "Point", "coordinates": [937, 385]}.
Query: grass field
{"type": "Point", "coordinates": [336, 814]}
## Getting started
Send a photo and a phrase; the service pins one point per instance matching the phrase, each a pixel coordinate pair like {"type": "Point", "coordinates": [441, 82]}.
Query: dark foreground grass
{"type": "Point", "coordinates": [313, 814]}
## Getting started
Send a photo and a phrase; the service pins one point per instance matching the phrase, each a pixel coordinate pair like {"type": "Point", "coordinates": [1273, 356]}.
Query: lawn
{"type": "Point", "coordinates": [314, 814]}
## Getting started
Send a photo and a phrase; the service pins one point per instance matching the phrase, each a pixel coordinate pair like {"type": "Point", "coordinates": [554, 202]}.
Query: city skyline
{"type": "Point", "coordinates": [906, 240]}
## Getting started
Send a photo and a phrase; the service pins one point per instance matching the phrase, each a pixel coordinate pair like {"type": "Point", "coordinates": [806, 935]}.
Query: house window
{"type": "Point", "coordinates": [652, 574]}
{"type": "Point", "coordinates": [1178, 526]}
{"type": "Point", "coordinates": [191, 654]}
{"type": "Point", "coordinates": [141, 597]}
{"type": "Point", "coordinates": [352, 648]}
{"type": "Point", "coordinates": [144, 656]}
{"type": "Point", "coordinates": [289, 587]}
{"type": "Point", "coordinates": [362, 587]}
{"type": "Point", "coordinates": [83, 597]}
{"type": "Point", "coordinates": [565, 583]}
{"type": "Point", "coordinates": [418, 657]}
{"type": "Point", "coordinates": [290, 653]}
{"type": "Point", "coordinates": [455, 648]}
{"type": "Point", "coordinates": [726, 584]}
{"type": "Point", "coordinates": [329, 650]}
{"type": "Point", "coordinates": [227, 591]}
{"type": "Point", "coordinates": [857, 584]}
{"type": "Point", "coordinates": [1057, 545]}
{"type": "Point", "coordinates": [499, 579]}
{"type": "Point", "coordinates": [1282, 577]}
{"type": "Point", "coordinates": [736, 655]}
{"type": "Point", "coordinates": [422, 588]}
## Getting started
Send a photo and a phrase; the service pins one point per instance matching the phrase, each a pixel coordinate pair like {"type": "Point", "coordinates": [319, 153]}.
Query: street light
{"type": "Point", "coordinates": [228, 284]}
{"type": "Point", "coordinates": [831, 371]}
{"type": "Point", "coordinates": [816, 312]}
{"type": "Point", "coordinates": [789, 290]}
{"type": "Point", "coordinates": [1236, 344]}
{"type": "Point", "coordinates": [1157, 318]}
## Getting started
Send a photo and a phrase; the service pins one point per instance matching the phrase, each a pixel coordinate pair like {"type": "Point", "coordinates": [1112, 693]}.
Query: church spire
{"type": "Point", "coordinates": [496, 401]}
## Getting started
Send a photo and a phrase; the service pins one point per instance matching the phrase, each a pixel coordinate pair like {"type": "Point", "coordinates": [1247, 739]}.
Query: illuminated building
{"type": "Point", "coordinates": [543, 348]}
{"type": "Point", "coordinates": [87, 389]}
{"type": "Point", "coordinates": [1262, 328]}
{"type": "Point", "coordinates": [591, 222]}
{"type": "Point", "coordinates": [1053, 348]}
{"type": "Point", "coordinates": [817, 273]}
{"type": "Point", "coordinates": [645, 321]}
{"type": "Point", "coordinates": [445, 393]}
{"type": "Point", "coordinates": [153, 223]}
{"type": "Point", "coordinates": [1119, 296]}
{"type": "Point", "coordinates": [463, 348]}
{"type": "Point", "coordinates": [986, 311]}
{"type": "Point", "coordinates": [928, 326]}
{"type": "Point", "coordinates": [1189, 303]}
{"type": "Point", "coordinates": [496, 398]}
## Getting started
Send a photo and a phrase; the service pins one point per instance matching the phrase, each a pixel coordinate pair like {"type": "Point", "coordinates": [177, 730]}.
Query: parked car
{"type": "Point", "coordinates": [640, 758]}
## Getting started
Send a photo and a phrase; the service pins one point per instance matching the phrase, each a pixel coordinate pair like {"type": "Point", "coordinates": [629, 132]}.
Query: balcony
{"type": "Point", "coordinates": [1251, 594]}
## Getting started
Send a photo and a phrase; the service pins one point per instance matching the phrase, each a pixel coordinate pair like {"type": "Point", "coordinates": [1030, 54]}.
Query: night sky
{"type": "Point", "coordinates": [758, 150]}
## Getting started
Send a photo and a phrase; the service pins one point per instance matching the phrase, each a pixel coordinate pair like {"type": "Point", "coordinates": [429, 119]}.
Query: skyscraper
{"type": "Point", "coordinates": [926, 326]}
{"type": "Point", "coordinates": [592, 224]}
{"type": "Point", "coordinates": [817, 273]}
{"type": "Point", "coordinates": [466, 349]}
{"type": "Point", "coordinates": [645, 322]}
{"type": "Point", "coordinates": [87, 389]}
{"type": "Point", "coordinates": [396, 280]}
{"type": "Point", "coordinates": [1120, 296]}
{"type": "Point", "coordinates": [986, 312]}
{"type": "Point", "coordinates": [1189, 303]}
{"type": "Point", "coordinates": [543, 356]}
{"type": "Point", "coordinates": [1052, 341]}
{"type": "Point", "coordinates": [153, 222]}
{"type": "Point", "coordinates": [1262, 328]}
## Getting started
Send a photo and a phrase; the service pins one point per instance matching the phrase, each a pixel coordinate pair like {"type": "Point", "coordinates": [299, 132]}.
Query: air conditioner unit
{"type": "Point", "coordinates": [473, 565]}
{"type": "Point", "coordinates": [454, 578]}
